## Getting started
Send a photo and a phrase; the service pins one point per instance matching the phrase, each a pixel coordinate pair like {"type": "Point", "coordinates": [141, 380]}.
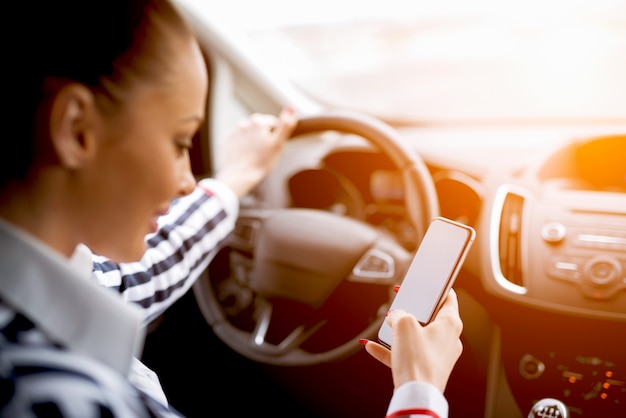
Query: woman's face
{"type": "Point", "coordinates": [143, 160]}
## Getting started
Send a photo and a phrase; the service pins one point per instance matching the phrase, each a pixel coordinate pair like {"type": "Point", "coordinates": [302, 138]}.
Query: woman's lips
{"type": "Point", "coordinates": [154, 223]}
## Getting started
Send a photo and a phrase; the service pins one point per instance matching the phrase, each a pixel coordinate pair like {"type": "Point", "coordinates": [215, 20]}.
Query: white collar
{"type": "Point", "coordinates": [71, 309]}
{"type": "Point", "coordinates": [81, 260]}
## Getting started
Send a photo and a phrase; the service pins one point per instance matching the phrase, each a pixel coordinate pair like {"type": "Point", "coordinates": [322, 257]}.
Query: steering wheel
{"type": "Point", "coordinates": [274, 295]}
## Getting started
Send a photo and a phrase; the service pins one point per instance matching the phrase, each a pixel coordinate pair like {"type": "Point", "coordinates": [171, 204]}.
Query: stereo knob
{"type": "Point", "coordinates": [530, 367]}
{"type": "Point", "coordinates": [602, 270]}
{"type": "Point", "coordinates": [553, 233]}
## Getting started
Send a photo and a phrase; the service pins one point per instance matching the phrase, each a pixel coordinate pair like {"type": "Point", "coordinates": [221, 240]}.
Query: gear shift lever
{"type": "Point", "coordinates": [549, 408]}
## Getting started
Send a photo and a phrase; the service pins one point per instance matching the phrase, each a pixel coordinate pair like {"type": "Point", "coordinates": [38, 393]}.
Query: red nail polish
{"type": "Point", "coordinates": [396, 287]}
{"type": "Point", "coordinates": [363, 341]}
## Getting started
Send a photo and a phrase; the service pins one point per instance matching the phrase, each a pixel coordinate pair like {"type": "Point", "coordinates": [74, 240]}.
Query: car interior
{"type": "Point", "coordinates": [273, 325]}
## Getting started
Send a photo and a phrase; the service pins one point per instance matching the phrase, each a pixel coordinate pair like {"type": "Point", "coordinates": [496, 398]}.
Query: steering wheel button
{"type": "Point", "coordinates": [374, 264]}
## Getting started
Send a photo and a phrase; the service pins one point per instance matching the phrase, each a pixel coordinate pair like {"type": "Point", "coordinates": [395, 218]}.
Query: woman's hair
{"type": "Point", "coordinates": [106, 45]}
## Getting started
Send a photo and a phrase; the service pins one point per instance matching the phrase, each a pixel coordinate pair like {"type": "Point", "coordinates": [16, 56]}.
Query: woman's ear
{"type": "Point", "coordinates": [72, 125]}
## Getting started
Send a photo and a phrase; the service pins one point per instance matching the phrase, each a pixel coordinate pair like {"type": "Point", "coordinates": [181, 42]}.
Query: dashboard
{"type": "Point", "coordinates": [597, 165]}
{"type": "Point", "coordinates": [553, 232]}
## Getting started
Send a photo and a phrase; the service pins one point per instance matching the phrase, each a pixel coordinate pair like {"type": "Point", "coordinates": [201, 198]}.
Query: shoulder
{"type": "Point", "coordinates": [48, 381]}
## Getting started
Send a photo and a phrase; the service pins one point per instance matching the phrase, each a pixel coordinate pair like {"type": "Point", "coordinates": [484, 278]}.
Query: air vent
{"type": "Point", "coordinates": [506, 243]}
{"type": "Point", "coordinates": [510, 238]}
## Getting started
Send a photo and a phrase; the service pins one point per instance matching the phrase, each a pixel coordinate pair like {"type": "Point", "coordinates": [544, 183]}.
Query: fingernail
{"type": "Point", "coordinates": [289, 109]}
{"type": "Point", "coordinates": [396, 287]}
{"type": "Point", "coordinates": [363, 341]}
{"type": "Point", "coordinates": [389, 312]}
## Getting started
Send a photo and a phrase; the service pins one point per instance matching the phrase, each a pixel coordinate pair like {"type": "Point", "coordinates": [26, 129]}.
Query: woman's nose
{"type": "Point", "coordinates": [188, 180]}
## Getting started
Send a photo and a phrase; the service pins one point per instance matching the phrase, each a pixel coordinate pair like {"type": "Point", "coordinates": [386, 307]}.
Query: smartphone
{"type": "Point", "coordinates": [432, 272]}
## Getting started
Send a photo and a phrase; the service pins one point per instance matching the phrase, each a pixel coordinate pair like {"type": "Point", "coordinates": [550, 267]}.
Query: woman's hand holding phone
{"type": "Point", "coordinates": [426, 353]}
{"type": "Point", "coordinates": [422, 353]}
{"type": "Point", "coordinates": [424, 326]}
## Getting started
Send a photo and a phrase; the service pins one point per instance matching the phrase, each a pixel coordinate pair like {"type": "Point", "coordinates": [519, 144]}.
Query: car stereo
{"type": "Point", "coordinates": [591, 256]}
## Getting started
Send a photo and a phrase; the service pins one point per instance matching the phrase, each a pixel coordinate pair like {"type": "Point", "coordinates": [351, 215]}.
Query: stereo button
{"type": "Point", "coordinates": [553, 232]}
{"type": "Point", "coordinates": [564, 268]}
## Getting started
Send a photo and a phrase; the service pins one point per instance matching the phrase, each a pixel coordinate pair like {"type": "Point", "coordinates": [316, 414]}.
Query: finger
{"type": "Point", "coordinates": [263, 120]}
{"type": "Point", "coordinates": [379, 352]}
{"type": "Point", "coordinates": [449, 312]}
{"type": "Point", "coordinates": [450, 306]}
{"type": "Point", "coordinates": [407, 338]}
{"type": "Point", "coordinates": [286, 122]}
{"type": "Point", "coordinates": [394, 315]}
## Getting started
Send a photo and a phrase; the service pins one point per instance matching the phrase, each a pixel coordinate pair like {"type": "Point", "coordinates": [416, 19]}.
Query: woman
{"type": "Point", "coordinates": [104, 103]}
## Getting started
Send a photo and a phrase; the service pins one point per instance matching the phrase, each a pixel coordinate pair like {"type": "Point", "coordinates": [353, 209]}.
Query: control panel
{"type": "Point", "coordinates": [591, 256]}
{"type": "Point", "coordinates": [590, 386]}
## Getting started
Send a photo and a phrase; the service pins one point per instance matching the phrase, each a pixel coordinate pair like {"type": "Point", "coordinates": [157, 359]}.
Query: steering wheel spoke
{"type": "Point", "coordinates": [294, 340]}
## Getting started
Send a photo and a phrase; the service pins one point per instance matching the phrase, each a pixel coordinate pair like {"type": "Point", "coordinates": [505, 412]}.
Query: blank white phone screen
{"type": "Point", "coordinates": [432, 271]}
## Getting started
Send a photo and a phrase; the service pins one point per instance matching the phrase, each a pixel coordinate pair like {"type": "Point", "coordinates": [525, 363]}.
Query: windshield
{"type": "Point", "coordinates": [452, 61]}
